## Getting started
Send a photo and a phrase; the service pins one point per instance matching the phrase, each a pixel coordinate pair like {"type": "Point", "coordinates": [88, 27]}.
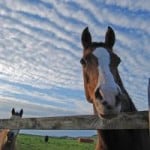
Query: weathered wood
{"type": "Point", "coordinates": [136, 120]}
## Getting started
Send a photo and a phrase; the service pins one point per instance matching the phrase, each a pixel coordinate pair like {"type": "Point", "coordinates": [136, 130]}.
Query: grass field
{"type": "Point", "coordinates": [30, 142]}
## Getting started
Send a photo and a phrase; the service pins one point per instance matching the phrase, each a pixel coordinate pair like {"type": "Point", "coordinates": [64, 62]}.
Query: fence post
{"type": "Point", "coordinates": [149, 102]}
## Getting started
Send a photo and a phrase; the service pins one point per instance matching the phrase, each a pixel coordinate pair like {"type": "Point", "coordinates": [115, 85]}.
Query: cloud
{"type": "Point", "coordinates": [131, 5]}
{"type": "Point", "coordinates": [44, 110]}
{"type": "Point", "coordinates": [40, 51]}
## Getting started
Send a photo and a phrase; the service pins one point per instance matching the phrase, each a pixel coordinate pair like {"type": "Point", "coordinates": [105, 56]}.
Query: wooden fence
{"type": "Point", "coordinates": [130, 120]}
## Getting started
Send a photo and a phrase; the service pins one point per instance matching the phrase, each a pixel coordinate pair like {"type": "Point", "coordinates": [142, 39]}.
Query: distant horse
{"type": "Point", "coordinates": [105, 90]}
{"type": "Point", "coordinates": [7, 136]}
{"type": "Point", "coordinates": [46, 139]}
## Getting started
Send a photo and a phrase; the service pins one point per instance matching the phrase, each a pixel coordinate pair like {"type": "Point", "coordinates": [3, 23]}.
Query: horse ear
{"type": "Point", "coordinates": [13, 111]}
{"type": "Point", "coordinates": [86, 38]}
{"type": "Point", "coordinates": [21, 112]}
{"type": "Point", "coordinates": [110, 38]}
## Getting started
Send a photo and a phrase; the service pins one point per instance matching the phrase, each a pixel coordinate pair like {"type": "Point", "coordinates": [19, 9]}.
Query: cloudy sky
{"type": "Point", "coordinates": [40, 50]}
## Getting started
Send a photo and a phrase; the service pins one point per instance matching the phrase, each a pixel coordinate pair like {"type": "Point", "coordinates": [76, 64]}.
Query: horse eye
{"type": "Point", "coordinates": [115, 60]}
{"type": "Point", "coordinates": [83, 61]}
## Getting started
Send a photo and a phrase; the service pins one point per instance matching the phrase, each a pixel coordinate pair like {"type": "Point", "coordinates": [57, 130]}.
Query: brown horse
{"type": "Point", "coordinates": [104, 89]}
{"type": "Point", "coordinates": [3, 137]}
{"type": "Point", "coordinates": [7, 136]}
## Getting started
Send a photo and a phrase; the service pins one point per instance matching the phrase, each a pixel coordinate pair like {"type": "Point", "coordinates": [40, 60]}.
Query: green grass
{"type": "Point", "coordinates": [30, 142]}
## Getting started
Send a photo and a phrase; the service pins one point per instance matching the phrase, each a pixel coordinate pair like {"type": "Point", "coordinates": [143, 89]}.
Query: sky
{"type": "Point", "coordinates": [40, 50]}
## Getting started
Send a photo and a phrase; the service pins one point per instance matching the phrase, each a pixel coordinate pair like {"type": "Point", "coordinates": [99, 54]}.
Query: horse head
{"type": "Point", "coordinates": [9, 135]}
{"type": "Point", "coordinates": [99, 63]}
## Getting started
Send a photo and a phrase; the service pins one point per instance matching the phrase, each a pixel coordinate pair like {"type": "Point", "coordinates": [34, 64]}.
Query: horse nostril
{"type": "Point", "coordinates": [10, 136]}
{"type": "Point", "coordinates": [83, 62]}
{"type": "Point", "coordinates": [98, 94]}
{"type": "Point", "coordinates": [118, 100]}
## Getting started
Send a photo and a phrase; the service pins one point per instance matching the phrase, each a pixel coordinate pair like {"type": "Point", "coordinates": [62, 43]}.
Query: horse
{"type": "Point", "coordinates": [105, 90]}
{"type": "Point", "coordinates": [8, 136]}
{"type": "Point", "coordinates": [46, 138]}
{"type": "Point", "coordinates": [3, 137]}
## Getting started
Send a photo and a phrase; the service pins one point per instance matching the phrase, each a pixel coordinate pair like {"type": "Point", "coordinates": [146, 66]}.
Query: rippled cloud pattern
{"type": "Point", "coordinates": [40, 50]}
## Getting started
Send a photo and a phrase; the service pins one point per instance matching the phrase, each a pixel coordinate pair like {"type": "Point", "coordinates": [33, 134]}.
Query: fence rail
{"type": "Point", "coordinates": [125, 120]}
{"type": "Point", "coordinates": [132, 120]}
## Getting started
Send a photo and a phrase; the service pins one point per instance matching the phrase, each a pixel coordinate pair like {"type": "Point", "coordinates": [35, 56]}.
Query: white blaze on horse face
{"type": "Point", "coordinates": [106, 84]}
